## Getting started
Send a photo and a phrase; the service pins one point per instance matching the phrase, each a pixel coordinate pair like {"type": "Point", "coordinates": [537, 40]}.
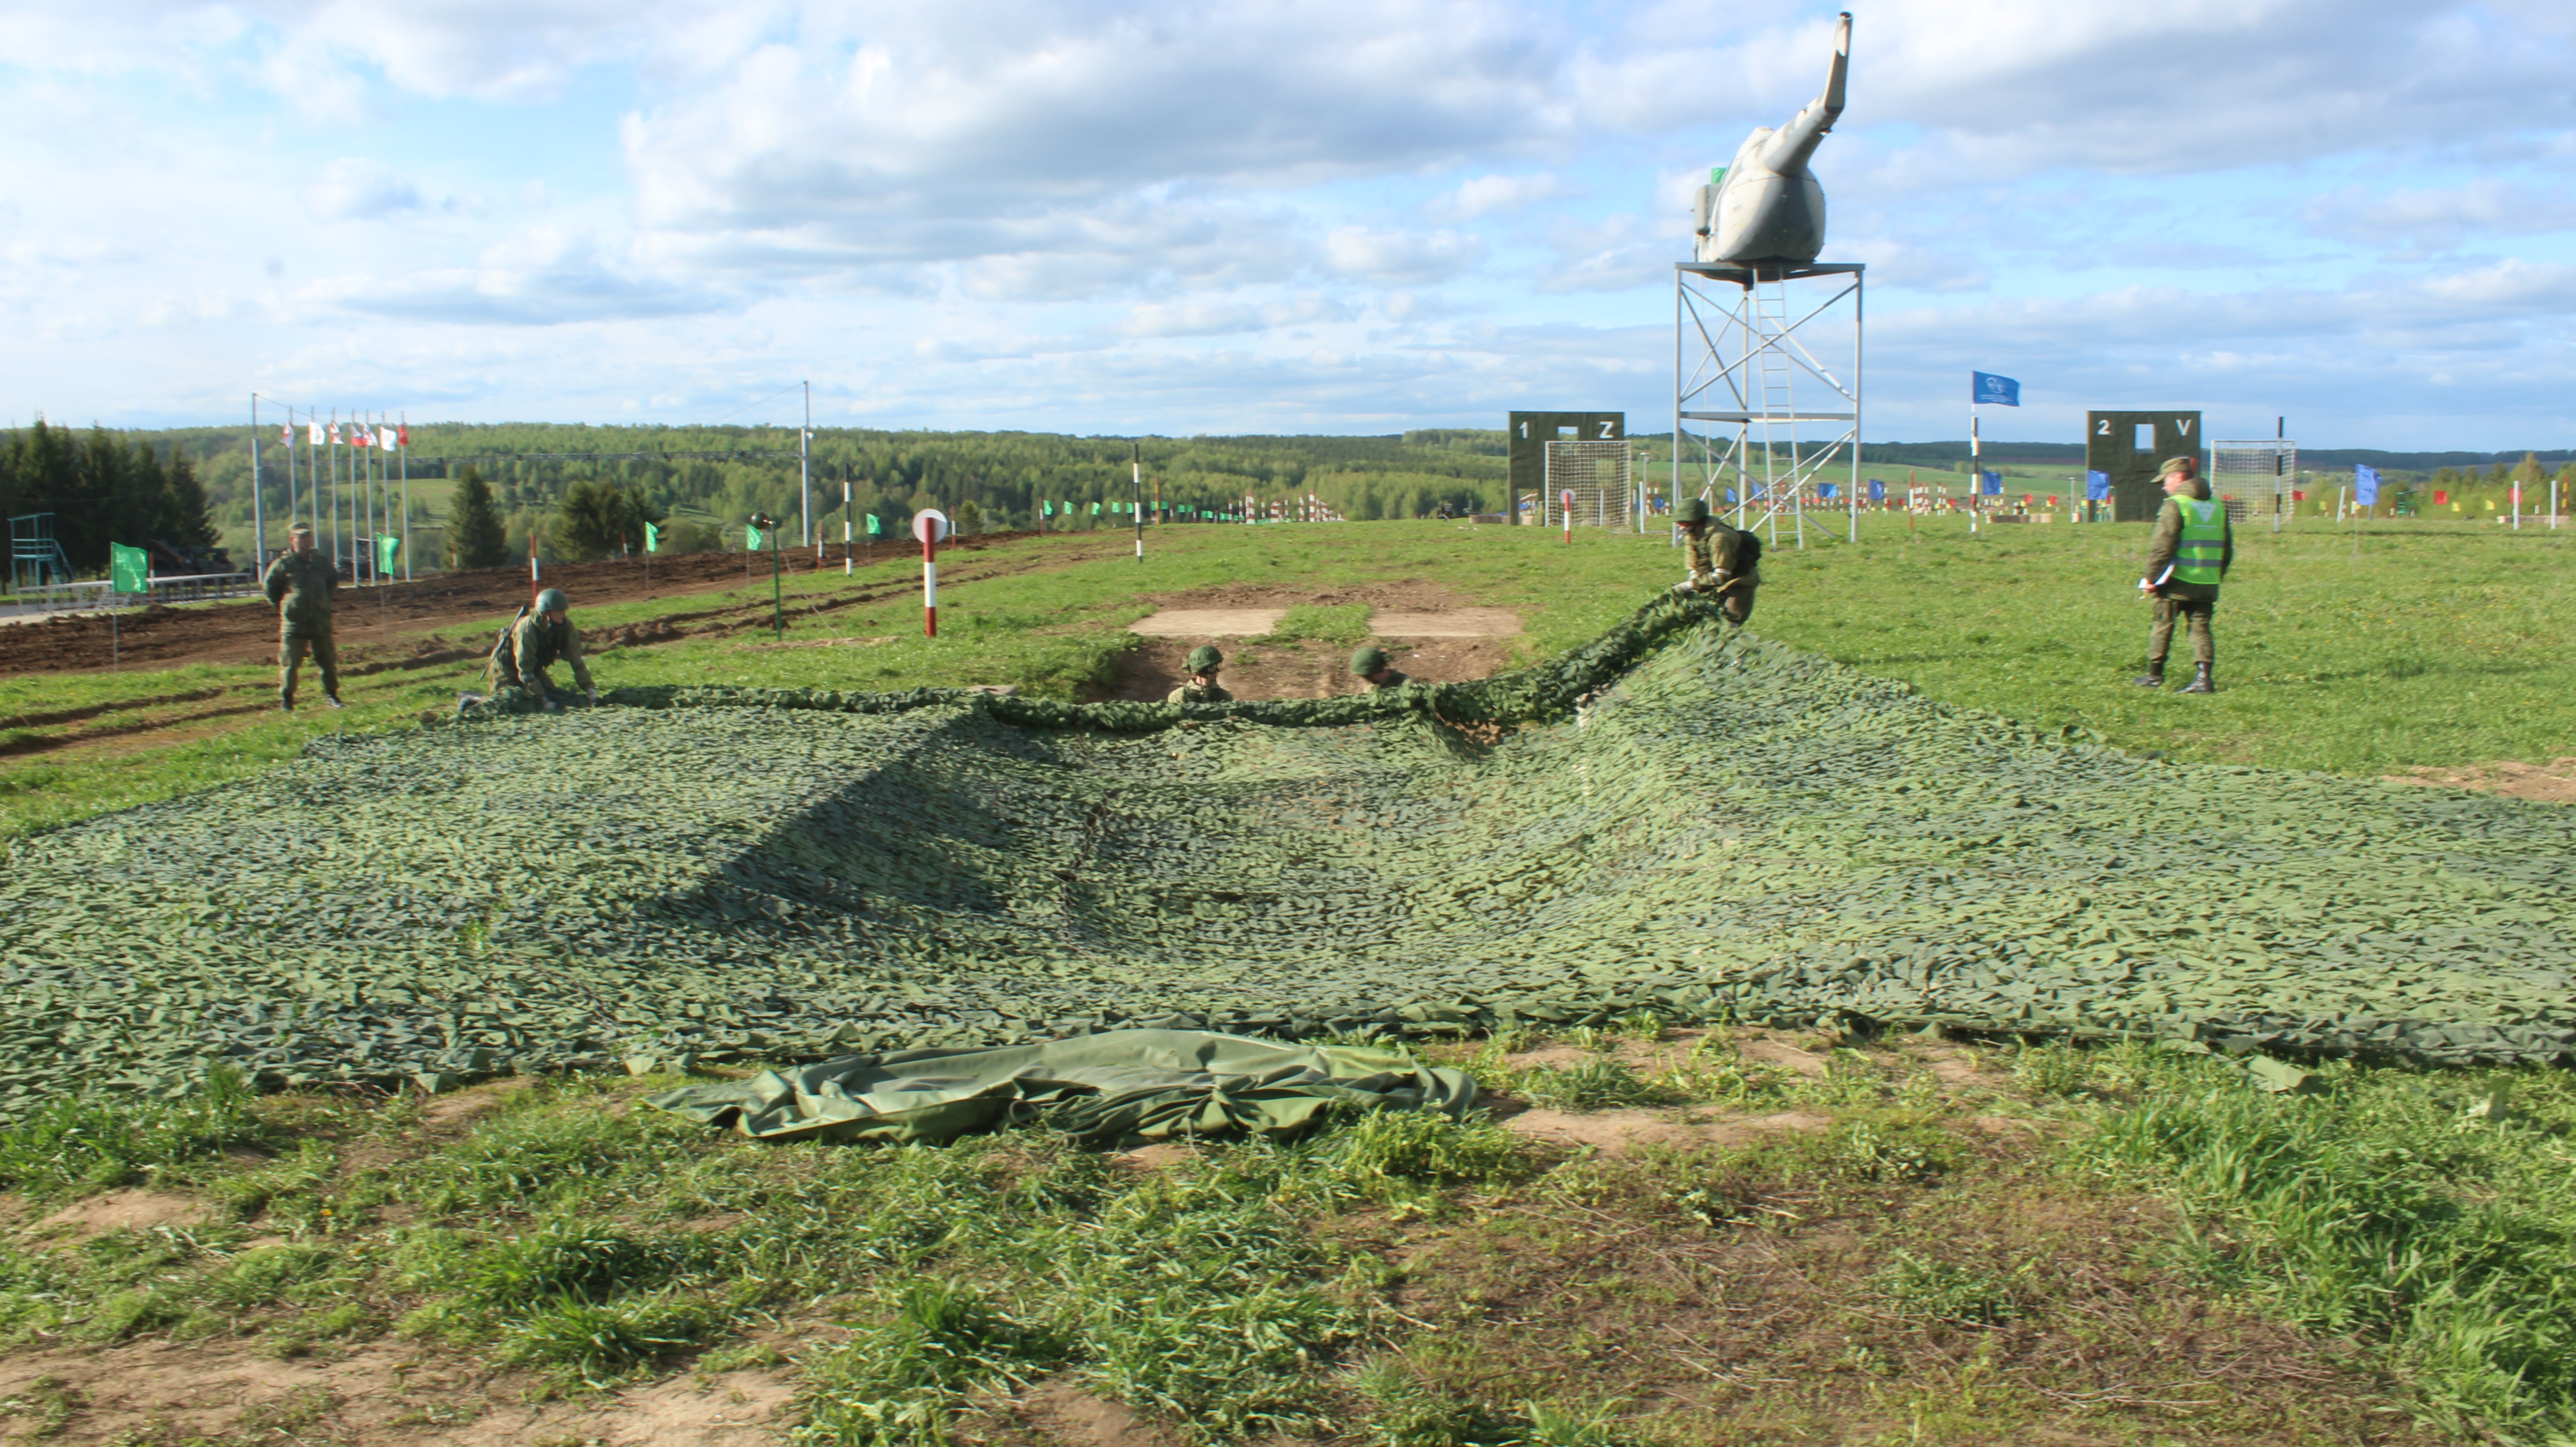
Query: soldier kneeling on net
{"type": "Point", "coordinates": [1369, 665]}
{"type": "Point", "coordinates": [1724, 561]}
{"type": "Point", "coordinates": [1202, 687]}
{"type": "Point", "coordinates": [537, 640]}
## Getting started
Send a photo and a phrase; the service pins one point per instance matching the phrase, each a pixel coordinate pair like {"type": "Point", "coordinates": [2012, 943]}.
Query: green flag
{"type": "Point", "coordinates": [386, 546]}
{"type": "Point", "coordinates": [1046, 509]}
{"type": "Point", "coordinates": [750, 538]}
{"type": "Point", "coordinates": [1095, 509]}
{"type": "Point", "coordinates": [652, 537]}
{"type": "Point", "coordinates": [131, 569]}
{"type": "Point", "coordinates": [876, 525]}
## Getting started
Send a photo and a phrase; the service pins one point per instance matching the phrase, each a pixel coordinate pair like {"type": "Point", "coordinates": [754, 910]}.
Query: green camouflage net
{"type": "Point", "coordinates": [1665, 820]}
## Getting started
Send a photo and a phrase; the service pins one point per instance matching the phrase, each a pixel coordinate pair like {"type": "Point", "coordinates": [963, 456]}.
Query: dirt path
{"type": "Point", "coordinates": [462, 603]}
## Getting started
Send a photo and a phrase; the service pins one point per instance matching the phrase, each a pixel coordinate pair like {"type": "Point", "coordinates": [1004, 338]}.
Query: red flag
{"type": "Point", "coordinates": [402, 434]}
{"type": "Point", "coordinates": [335, 434]}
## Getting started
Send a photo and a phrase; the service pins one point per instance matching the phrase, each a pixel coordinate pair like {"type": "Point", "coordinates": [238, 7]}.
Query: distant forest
{"type": "Point", "coordinates": [189, 486]}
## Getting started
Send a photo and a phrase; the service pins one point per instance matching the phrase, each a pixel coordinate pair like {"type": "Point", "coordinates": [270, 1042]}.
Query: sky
{"type": "Point", "coordinates": [1349, 216]}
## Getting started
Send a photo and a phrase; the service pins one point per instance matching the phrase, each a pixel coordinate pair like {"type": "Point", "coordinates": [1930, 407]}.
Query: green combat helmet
{"type": "Point", "coordinates": [553, 600]}
{"type": "Point", "coordinates": [1205, 657]}
{"type": "Point", "coordinates": [1692, 510]}
{"type": "Point", "coordinates": [1368, 662]}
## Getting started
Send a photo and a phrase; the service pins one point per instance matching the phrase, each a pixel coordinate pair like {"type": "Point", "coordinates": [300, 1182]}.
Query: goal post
{"type": "Point", "coordinates": [2262, 475]}
{"type": "Point", "coordinates": [1598, 474]}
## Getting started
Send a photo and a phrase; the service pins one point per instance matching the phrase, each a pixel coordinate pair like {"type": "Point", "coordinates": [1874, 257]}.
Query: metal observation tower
{"type": "Point", "coordinates": [1766, 338]}
{"type": "Point", "coordinates": [1767, 389]}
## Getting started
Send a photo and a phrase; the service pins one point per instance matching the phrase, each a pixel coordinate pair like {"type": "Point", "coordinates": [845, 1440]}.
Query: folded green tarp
{"type": "Point", "coordinates": [1113, 1086]}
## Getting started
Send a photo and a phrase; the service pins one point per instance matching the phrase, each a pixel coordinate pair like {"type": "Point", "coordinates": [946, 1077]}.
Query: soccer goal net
{"type": "Point", "coordinates": [1598, 476]}
{"type": "Point", "coordinates": [2257, 478]}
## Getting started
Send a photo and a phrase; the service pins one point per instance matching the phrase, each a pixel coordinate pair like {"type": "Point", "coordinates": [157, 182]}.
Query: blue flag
{"type": "Point", "coordinates": [2365, 485]}
{"type": "Point", "coordinates": [1825, 491]}
{"type": "Point", "coordinates": [1994, 483]}
{"type": "Point", "coordinates": [1985, 389]}
{"type": "Point", "coordinates": [1730, 494]}
{"type": "Point", "coordinates": [2097, 487]}
{"type": "Point", "coordinates": [1877, 490]}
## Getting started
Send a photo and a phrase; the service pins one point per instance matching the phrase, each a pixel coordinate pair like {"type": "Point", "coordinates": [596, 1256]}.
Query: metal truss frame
{"type": "Point", "coordinates": [1762, 353]}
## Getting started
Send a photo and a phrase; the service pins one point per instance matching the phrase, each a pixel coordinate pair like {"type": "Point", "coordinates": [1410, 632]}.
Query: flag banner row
{"type": "Point", "coordinates": [387, 438]}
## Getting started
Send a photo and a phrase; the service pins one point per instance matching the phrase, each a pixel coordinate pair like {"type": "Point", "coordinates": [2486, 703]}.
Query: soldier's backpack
{"type": "Point", "coordinates": [1748, 553]}
{"type": "Point", "coordinates": [501, 666]}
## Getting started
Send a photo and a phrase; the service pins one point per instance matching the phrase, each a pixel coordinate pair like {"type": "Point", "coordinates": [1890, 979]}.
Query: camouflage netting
{"type": "Point", "coordinates": [1724, 830]}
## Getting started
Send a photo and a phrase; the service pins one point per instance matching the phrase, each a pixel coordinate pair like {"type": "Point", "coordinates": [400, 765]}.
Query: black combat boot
{"type": "Point", "coordinates": [2154, 677]}
{"type": "Point", "coordinates": [2200, 682]}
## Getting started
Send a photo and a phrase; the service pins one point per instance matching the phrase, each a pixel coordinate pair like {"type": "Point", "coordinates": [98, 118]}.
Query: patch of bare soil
{"type": "Point", "coordinates": [1305, 669]}
{"type": "Point", "coordinates": [1721, 1296]}
{"type": "Point", "coordinates": [1617, 1132]}
{"type": "Point", "coordinates": [382, 627]}
{"type": "Point", "coordinates": [2550, 783]}
{"type": "Point", "coordinates": [379, 1394]}
{"type": "Point", "coordinates": [1061, 1414]}
{"type": "Point", "coordinates": [124, 1211]}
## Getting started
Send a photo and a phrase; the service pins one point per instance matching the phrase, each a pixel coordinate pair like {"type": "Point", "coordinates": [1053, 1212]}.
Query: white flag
{"type": "Point", "coordinates": [385, 438]}
{"type": "Point", "coordinates": [316, 429]}
{"type": "Point", "coordinates": [286, 435]}
{"type": "Point", "coordinates": [335, 434]}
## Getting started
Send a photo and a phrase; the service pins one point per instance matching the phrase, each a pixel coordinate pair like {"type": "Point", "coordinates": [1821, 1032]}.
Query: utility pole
{"type": "Point", "coordinates": [258, 529]}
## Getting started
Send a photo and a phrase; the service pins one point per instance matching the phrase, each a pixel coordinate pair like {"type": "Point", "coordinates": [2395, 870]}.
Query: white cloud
{"type": "Point", "coordinates": [1217, 318]}
{"type": "Point", "coordinates": [542, 277]}
{"type": "Point", "coordinates": [354, 188]}
{"type": "Point", "coordinates": [1401, 258]}
{"type": "Point", "coordinates": [1487, 195]}
{"type": "Point", "coordinates": [2440, 219]}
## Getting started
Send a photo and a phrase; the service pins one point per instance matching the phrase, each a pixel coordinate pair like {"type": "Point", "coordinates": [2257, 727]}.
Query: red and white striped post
{"type": "Point", "coordinates": [1567, 498]}
{"type": "Point", "coordinates": [930, 525]}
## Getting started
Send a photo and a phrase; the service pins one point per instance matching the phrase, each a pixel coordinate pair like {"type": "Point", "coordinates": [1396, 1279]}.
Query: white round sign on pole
{"type": "Point", "coordinates": [930, 525]}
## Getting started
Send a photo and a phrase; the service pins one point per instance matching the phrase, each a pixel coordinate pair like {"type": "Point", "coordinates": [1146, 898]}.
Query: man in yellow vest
{"type": "Point", "coordinates": [2186, 557]}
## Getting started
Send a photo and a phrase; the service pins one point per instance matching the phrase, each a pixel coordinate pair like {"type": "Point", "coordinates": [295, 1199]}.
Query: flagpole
{"type": "Point", "coordinates": [258, 524]}
{"type": "Point", "coordinates": [1976, 469]}
{"type": "Point", "coordinates": [402, 441]}
{"type": "Point", "coordinates": [335, 487]}
{"type": "Point", "coordinates": [805, 477]}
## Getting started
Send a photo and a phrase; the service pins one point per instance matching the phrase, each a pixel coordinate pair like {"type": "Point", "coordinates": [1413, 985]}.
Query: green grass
{"type": "Point", "coordinates": [1397, 1279]}
{"type": "Point", "coordinates": [2434, 644]}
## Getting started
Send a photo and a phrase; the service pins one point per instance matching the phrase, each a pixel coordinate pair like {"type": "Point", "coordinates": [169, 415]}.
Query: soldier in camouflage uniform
{"type": "Point", "coordinates": [540, 639]}
{"type": "Point", "coordinates": [1721, 560]}
{"type": "Point", "coordinates": [1202, 687]}
{"type": "Point", "coordinates": [1370, 665]}
{"type": "Point", "coordinates": [299, 586]}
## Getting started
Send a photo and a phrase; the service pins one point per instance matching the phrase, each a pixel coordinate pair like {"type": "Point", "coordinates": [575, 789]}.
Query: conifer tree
{"type": "Point", "coordinates": [474, 536]}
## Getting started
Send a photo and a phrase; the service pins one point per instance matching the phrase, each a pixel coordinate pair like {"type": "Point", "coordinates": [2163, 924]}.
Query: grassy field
{"type": "Point", "coordinates": [2418, 644]}
{"type": "Point", "coordinates": [1668, 1237]}
{"type": "Point", "coordinates": [1656, 1236]}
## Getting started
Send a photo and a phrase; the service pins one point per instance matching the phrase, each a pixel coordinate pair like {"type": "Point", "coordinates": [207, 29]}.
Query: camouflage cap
{"type": "Point", "coordinates": [2187, 466]}
{"type": "Point", "coordinates": [1692, 510]}
{"type": "Point", "coordinates": [1368, 661]}
{"type": "Point", "coordinates": [1205, 657]}
{"type": "Point", "coordinates": [300, 530]}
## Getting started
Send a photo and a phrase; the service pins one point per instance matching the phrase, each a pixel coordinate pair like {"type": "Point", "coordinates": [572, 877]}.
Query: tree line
{"type": "Point", "coordinates": [104, 488]}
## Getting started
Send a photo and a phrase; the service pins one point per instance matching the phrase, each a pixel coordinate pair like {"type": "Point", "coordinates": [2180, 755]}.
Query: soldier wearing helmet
{"type": "Point", "coordinates": [540, 638]}
{"type": "Point", "coordinates": [1370, 666]}
{"type": "Point", "coordinates": [1202, 687]}
{"type": "Point", "coordinates": [1723, 560]}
